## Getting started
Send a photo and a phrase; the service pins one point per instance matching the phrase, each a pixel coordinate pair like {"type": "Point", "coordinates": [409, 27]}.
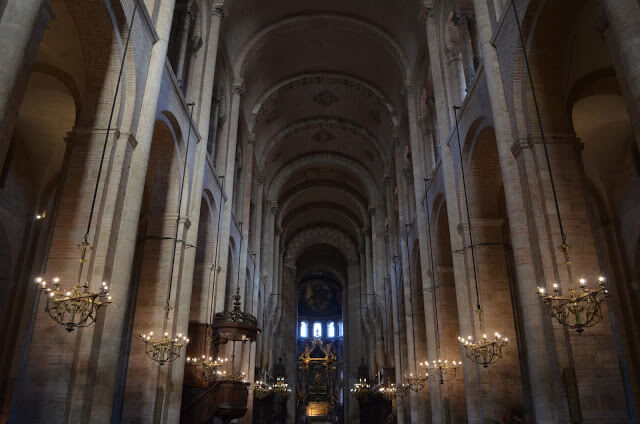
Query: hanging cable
{"type": "Point", "coordinates": [113, 107]}
{"type": "Point", "coordinates": [175, 240]}
{"type": "Point", "coordinates": [466, 204]}
{"type": "Point", "coordinates": [564, 246]}
{"type": "Point", "coordinates": [212, 284]}
{"type": "Point", "coordinates": [433, 271]}
{"type": "Point", "coordinates": [84, 246]}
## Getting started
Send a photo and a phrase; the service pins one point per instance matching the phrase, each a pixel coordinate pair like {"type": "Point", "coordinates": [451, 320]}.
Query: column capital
{"type": "Point", "coordinates": [217, 8]}
{"type": "Point", "coordinates": [427, 10]}
{"type": "Point", "coordinates": [274, 207]}
{"type": "Point", "coordinates": [261, 178]}
{"type": "Point", "coordinates": [371, 209]}
{"type": "Point", "coordinates": [251, 139]}
{"type": "Point", "coordinates": [238, 86]}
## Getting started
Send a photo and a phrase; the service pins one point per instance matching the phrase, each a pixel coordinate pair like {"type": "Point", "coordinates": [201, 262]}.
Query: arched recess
{"type": "Point", "coordinates": [454, 401]}
{"type": "Point", "coordinates": [496, 285]}
{"type": "Point", "coordinates": [155, 247]}
{"type": "Point", "coordinates": [202, 290]}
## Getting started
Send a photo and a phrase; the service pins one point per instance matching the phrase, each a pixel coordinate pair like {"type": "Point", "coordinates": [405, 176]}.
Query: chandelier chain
{"type": "Point", "coordinates": [564, 246]}
{"type": "Point", "coordinates": [466, 203]}
{"type": "Point", "coordinates": [175, 239]}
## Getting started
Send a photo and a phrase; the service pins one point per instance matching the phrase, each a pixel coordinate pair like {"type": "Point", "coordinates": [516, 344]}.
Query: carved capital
{"type": "Point", "coordinates": [274, 207]}
{"type": "Point", "coordinates": [372, 210]}
{"type": "Point", "coordinates": [218, 9]}
{"type": "Point", "coordinates": [261, 179]}
{"type": "Point", "coordinates": [238, 87]}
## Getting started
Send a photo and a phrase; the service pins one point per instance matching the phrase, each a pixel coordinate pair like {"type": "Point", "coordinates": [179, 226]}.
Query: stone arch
{"type": "Point", "coordinates": [324, 121]}
{"type": "Point", "coordinates": [366, 86]}
{"type": "Point", "coordinates": [300, 189]}
{"type": "Point", "coordinates": [328, 159]}
{"type": "Point", "coordinates": [386, 40]}
{"type": "Point", "coordinates": [348, 215]}
{"type": "Point", "coordinates": [321, 234]}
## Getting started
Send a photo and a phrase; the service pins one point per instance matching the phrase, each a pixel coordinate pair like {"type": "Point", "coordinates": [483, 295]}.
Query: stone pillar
{"type": "Point", "coordinates": [21, 27]}
{"type": "Point", "coordinates": [417, 408]}
{"type": "Point", "coordinates": [552, 351]}
{"type": "Point", "coordinates": [267, 270]}
{"type": "Point", "coordinates": [354, 340]}
{"type": "Point", "coordinates": [444, 118]}
{"type": "Point", "coordinates": [289, 332]}
{"type": "Point", "coordinates": [623, 41]}
{"type": "Point", "coordinates": [227, 211]}
{"type": "Point", "coordinates": [463, 21]}
{"type": "Point", "coordinates": [182, 41]}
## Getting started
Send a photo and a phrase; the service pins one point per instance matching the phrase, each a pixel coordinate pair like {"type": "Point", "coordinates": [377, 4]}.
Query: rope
{"type": "Point", "coordinates": [466, 204]}
{"type": "Point", "coordinates": [564, 247]}
{"type": "Point", "coordinates": [175, 242]}
{"type": "Point", "coordinates": [433, 272]}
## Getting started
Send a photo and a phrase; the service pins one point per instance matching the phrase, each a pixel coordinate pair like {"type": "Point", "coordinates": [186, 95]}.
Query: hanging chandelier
{"type": "Point", "coordinates": [484, 351]}
{"type": "Point", "coordinates": [75, 308]}
{"type": "Point", "coordinates": [163, 349]}
{"type": "Point", "coordinates": [281, 387]}
{"type": "Point", "coordinates": [208, 366]}
{"type": "Point", "coordinates": [361, 389]}
{"type": "Point", "coordinates": [389, 392]}
{"type": "Point", "coordinates": [579, 309]}
{"type": "Point", "coordinates": [443, 370]}
{"type": "Point", "coordinates": [262, 390]}
{"type": "Point", "coordinates": [416, 381]}
{"type": "Point", "coordinates": [78, 307]}
{"type": "Point", "coordinates": [583, 308]}
{"type": "Point", "coordinates": [168, 348]}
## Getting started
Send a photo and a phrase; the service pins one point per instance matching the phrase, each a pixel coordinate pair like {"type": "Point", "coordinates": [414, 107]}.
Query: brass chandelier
{"type": "Point", "coordinates": [581, 308]}
{"type": "Point", "coordinates": [361, 389]}
{"type": "Point", "coordinates": [389, 392]}
{"type": "Point", "coordinates": [208, 366]}
{"type": "Point", "coordinates": [75, 308]}
{"type": "Point", "coordinates": [78, 307]}
{"type": "Point", "coordinates": [281, 387]}
{"type": "Point", "coordinates": [484, 351]}
{"type": "Point", "coordinates": [443, 370]}
{"type": "Point", "coordinates": [261, 390]}
{"type": "Point", "coordinates": [168, 348]}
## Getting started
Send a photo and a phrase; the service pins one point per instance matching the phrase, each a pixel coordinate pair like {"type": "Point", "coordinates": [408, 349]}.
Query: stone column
{"type": "Point", "coordinates": [21, 27]}
{"type": "Point", "coordinates": [623, 41]}
{"type": "Point", "coordinates": [354, 340]}
{"type": "Point", "coordinates": [227, 211]}
{"type": "Point", "coordinates": [550, 350]}
{"type": "Point", "coordinates": [543, 377]}
{"type": "Point", "coordinates": [267, 271]}
{"type": "Point", "coordinates": [417, 408]}
{"type": "Point", "coordinates": [444, 118]}
{"type": "Point", "coordinates": [462, 21]}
